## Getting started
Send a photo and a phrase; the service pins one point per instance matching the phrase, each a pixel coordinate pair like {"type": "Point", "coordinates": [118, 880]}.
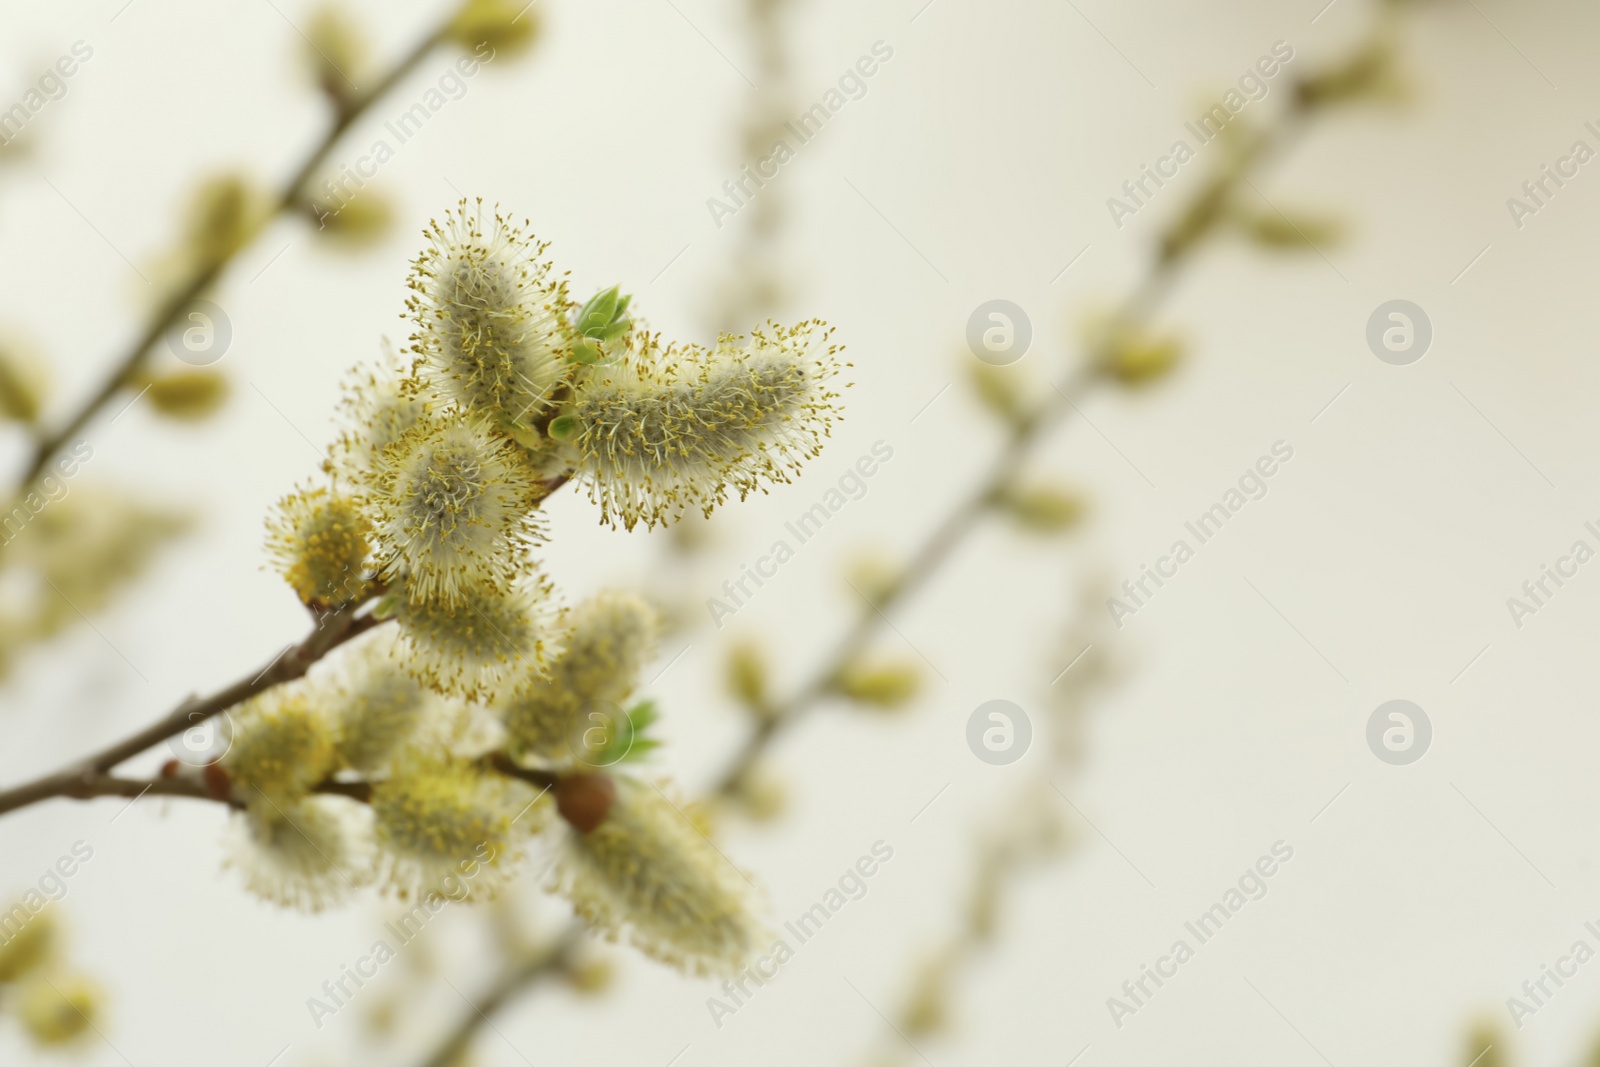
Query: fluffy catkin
{"type": "Point", "coordinates": [283, 744]}
{"type": "Point", "coordinates": [318, 540]}
{"type": "Point", "coordinates": [608, 640]}
{"type": "Point", "coordinates": [661, 430]}
{"type": "Point", "coordinates": [379, 405]}
{"type": "Point", "coordinates": [452, 508]}
{"type": "Point", "coordinates": [491, 316]}
{"type": "Point", "coordinates": [475, 648]}
{"type": "Point", "coordinates": [445, 826]}
{"type": "Point", "coordinates": [307, 854]}
{"type": "Point", "coordinates": [648, 874]}
{"type": "Point", "coordinates": [377, 706]}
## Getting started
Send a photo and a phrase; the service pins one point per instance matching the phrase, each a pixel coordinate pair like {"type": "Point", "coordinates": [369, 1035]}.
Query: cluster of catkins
{"type": "Point", "coordinates": [410, 757]}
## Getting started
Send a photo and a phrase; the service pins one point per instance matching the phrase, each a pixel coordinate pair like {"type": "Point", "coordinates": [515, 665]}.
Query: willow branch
{"type": "Point", "coordinates": [513, 981]}
{"type": "Point", "coordinates": [90, 777]}
{"type": "Point", "coordinates": [203, 279]}
{"type": "Point", "coordinates": [1137, 310]}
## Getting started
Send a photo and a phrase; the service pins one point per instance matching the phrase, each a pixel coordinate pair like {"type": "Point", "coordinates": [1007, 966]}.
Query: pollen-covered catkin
{"type": "Point", "coordinates": [477, 647]}
{"type": "Point", "coordinates": [453, 509]}
{"type": "Point", "coordinates": [282, 745]}
{"type": "Point", "coordinates": [318, 539]}
{"type": "Point", "coordinates": [444, 823]}
{"type": "Point", "coordinates": [376, 705]}
{"type": "Point", "coordinates": [379, 405]}
{"type": "Point", "coordinates": [307, 854]}
{"type": "Point", "coordinates": [608, 640]}
{"type": "Point", "coordinates": [491, 316]}
{"type": "Point", "coordinates": [648, 874]}
{"type": "Point", "coordinates": [659, 430]}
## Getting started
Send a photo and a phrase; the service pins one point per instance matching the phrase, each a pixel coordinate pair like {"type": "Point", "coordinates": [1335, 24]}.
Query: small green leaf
{"type": "Point", "coordinates": [602, 320]}
{"type": "Point", "coordinates": [629, 743]}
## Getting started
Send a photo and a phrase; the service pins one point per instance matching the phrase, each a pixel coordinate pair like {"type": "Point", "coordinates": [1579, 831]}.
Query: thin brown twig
{"type": "Point", "coordinates": [90, 775]}
{"type": "Point", "coordinates": [516, 979]}
{"type": "Point", "coordinates": [293, 191]}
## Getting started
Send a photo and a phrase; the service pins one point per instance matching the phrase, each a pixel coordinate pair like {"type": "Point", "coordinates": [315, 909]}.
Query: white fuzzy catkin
{"type": "Point", "coordinates": [378, 406]}
{"type": "Point", "coordinates": [661, 430]}
{"type": "Point", "coordinates": [452, 508]}
{"type": "Point", "coordinates": [309, 853]}
{"type": "Point", "coordinates": [376, 705]}
{"type": "Point", "coordinates": [487, 641]}
{"type": "Point", "coordinates": [283, 744]}
{"type": "Point", "coordinates": [491, 316]}
{"type": "Point", "coordinates": [608, 640]}
{"type": "Point", "coordinates": [446, 827]}
{"type": "Point", "coordinates": [647, 874]}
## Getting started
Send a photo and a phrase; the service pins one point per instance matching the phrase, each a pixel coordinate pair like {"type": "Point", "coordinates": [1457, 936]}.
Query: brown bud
{"type": "Point", "coordinates": [170, 768]}
{"type": "Point", "coordinates": [219, 784]}
{"type": "Point", "coordinates": [584, 800]}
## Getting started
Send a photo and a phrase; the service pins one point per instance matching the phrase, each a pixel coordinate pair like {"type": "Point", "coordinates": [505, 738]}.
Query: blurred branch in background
{"type": "Point", "coordinates": [754, 285]}
{"type": "Point", "coordinates": [1123, 351]}
{"type": "Point", "coordinates": [65, 549]}
{"type": "Point", "coordinates": [1028, 831]}
{"type": "Point", "coordinates": [229, 214]}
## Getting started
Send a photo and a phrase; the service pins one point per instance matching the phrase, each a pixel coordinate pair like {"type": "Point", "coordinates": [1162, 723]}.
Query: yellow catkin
{"type": "Point", "coordinates": [491, 316]}
{"type": "Point", "coordinates": [282, 744]}
{"type": "Point", "coordinates": [306, 854]}
{"type": "Point", "coordinates": [661, 430]}
{"type": "Point", "coordinates": [190, 395]}
{"type": "Point", "coordinates": [56, 1009]}
{"type": "Point", "coordinates": [608, 640]}
{"type": "Point", "coordinates": [499, 25]}
{"type": "Point", "coordinates": [489, 640]}
{"type": "Point", "coordinates": [318, 540]}
{"type": "Point", "coordinates": [452, 508]}
{"type": "Point", "coordinates": [647, 874]}
{"type": "Point", "coordinates": [28, 947]}
{"type": "Point", "coordinates": [444, 826]}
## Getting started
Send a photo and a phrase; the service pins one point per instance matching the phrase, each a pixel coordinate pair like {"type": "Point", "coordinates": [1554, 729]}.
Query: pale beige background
{"type": "Point", "coordinates": [991, 141]}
